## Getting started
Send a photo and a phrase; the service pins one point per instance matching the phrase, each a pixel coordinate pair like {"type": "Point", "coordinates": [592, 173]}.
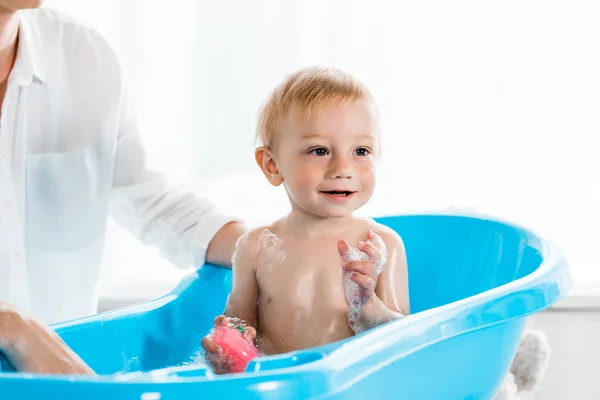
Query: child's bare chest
{"type": "Point", "coordinates": [307, 270]}
{"type": "Point", "coordinates": [300, 292]}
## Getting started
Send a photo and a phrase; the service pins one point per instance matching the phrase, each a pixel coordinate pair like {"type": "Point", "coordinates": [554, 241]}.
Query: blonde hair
{"type": "Point", "coordinates": [308, 90]}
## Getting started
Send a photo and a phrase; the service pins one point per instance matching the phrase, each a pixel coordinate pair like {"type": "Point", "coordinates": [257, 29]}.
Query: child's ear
{"type": "Point", "coordinates": [266, 162]}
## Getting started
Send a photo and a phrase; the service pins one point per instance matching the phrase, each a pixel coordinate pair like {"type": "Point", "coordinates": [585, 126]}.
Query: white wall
{"type": "Point", "coordinates": [573, 372]}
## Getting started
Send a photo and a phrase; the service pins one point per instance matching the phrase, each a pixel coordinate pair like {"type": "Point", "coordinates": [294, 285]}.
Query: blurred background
{"type": "Point", "coordinates": [486, 106]}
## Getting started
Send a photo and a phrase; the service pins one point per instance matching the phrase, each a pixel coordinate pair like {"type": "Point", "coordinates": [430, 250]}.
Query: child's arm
{"type": "Point", "coordinates": [241, 303]}
{"type": "Point", "coordinates": [392, 286]}
{"type": "Point", "coordinates": [385, 297]}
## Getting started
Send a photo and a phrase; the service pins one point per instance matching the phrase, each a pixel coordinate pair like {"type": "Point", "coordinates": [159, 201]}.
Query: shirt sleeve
{"type": "Point", "coordinates": [154, 208]}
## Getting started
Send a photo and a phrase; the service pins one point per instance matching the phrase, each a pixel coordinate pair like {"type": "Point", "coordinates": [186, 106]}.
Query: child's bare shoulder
{"type": "Point", "coordinates": [390, 237]}
{"type": "Point", "coordinates": [250, 244]}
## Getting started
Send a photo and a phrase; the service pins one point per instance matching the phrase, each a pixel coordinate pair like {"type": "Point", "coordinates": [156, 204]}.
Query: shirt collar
{"type": "Point", "coordinates": [28, 66]}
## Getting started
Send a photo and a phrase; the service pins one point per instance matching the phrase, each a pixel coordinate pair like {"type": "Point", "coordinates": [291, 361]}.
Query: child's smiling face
{"type": "Point", "coordinates": [327, 160]}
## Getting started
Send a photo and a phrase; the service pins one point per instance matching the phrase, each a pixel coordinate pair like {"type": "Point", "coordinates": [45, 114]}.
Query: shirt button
{"type": "Point", "coordinates": [18, 257]}
{"type": "Point", "coordinates": [8, 206]}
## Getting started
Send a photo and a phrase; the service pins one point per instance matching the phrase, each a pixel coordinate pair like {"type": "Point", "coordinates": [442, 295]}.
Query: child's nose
{"type": "Point", "coordinates": [341, 168]}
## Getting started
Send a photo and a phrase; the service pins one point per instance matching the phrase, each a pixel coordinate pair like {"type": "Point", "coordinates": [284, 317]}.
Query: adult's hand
{"type": "Point", "coordinates": [221, 247]}
{"type": "Point", "coordinates": [30, 346]}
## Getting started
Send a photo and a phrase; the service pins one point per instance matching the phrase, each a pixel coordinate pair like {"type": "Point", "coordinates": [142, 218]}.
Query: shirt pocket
{"type": "Point", "coordinates": [67, 196]}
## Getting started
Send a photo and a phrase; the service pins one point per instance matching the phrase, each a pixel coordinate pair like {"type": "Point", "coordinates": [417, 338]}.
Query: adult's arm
{"type": "Point", "coordinates": [31, 346]}
{"type": "Point", "coordinates": [186, 228]}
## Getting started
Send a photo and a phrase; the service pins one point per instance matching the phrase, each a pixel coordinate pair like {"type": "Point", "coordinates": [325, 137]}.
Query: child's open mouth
{"type": "Point", "coordinates": [338, 195]}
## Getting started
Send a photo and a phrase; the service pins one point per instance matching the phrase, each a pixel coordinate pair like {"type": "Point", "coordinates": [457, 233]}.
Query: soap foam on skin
{"type": "Point", "coordinates": [352, 288]}
{"type": "Point", "coordinates": [271, 252]}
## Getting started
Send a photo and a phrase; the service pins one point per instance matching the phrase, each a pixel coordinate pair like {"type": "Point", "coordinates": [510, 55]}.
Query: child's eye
{"type": "Point", "coordinates": [362, 152]}
{"type": "Point", "coordinates": [319, 151]}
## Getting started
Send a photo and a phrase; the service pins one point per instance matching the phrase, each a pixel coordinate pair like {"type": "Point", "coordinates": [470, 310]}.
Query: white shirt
{"type": "Point", "coordinates": [70, 151]}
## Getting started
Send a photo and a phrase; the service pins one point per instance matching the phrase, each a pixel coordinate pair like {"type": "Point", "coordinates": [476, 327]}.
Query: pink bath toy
{"type": "Point", "coordinates": [235, 347]}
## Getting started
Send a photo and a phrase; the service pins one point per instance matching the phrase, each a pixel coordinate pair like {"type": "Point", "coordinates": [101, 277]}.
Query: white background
{"type": "Point", "coordinates": [485, 105]}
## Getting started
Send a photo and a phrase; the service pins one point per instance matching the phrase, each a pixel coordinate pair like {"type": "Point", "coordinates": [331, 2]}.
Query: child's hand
{"type": "Point", "coordinates": [214, 353]}
{"type": "Point", "coordinates": [365, 270]}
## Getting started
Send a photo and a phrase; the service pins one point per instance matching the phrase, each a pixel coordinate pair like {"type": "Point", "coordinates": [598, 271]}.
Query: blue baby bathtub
{"type": "Point", "coordinates": [472, 283]}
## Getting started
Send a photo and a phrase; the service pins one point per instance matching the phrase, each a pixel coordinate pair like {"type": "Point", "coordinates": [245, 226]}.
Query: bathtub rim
{"type": "Point", "coordinates": [548, 283]}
